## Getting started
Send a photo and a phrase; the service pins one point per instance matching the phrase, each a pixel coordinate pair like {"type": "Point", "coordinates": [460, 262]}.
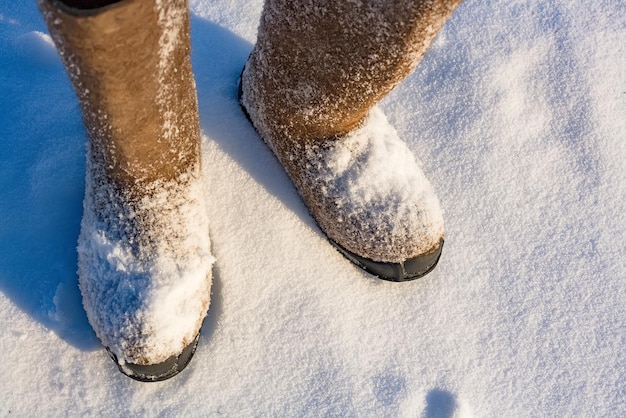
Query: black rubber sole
{"type": "Point", "coordinates": [405, 271]}
{"type": "Point", "coordinates": [161, 371]}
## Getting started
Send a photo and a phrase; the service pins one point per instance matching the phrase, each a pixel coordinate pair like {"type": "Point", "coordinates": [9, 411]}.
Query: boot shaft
{"type": "Point", "coordinates": [129, 65]}
{"type": "Point", "coordinates": [320, 65]}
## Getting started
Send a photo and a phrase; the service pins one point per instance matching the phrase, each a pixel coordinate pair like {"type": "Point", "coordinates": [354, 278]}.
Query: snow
{"type": "Point", "coordinates": [517, 115]}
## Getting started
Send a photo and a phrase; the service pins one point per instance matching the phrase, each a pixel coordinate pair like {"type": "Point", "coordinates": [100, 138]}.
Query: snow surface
{"type": "Point", "coordinates": [517, 113]}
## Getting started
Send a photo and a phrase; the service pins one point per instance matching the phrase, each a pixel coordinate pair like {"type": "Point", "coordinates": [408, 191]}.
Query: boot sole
{"type": "Point", "coordinates": [160, 371]}
{"type": "Point", "coordinates": [404, 271]}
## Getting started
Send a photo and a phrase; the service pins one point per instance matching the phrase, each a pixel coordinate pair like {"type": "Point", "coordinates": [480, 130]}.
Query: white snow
{"type": "Point", "coordinates": [517, 115]}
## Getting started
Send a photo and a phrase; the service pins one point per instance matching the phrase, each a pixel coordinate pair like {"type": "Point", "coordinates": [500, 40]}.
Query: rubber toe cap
{"type": "Point", "coordinates": [410, 269]}
{"type": "Point", "coordinates": [161, 371]}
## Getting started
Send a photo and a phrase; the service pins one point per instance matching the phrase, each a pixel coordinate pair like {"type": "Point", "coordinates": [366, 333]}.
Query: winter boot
{"type": "Point", "coordinates": [310, 87]}
{"type": "Point", "coordinates": [144, 250]}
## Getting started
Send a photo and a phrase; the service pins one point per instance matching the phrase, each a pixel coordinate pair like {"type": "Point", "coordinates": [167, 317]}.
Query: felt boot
{"type": "Point", "coordinates": [310, 87]}
{"type": "Point", "coordinates": [144, 250]}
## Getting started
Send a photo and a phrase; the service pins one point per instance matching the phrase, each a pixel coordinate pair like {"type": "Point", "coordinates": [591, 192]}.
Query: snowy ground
{"type": "Point", "coordinates": [518, 113]}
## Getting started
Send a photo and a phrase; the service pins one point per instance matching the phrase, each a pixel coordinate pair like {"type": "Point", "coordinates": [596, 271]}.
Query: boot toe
{"type": "Point", "coordinates": [160, 371]}
{"type": "Point", "coordinates": [410, 269]}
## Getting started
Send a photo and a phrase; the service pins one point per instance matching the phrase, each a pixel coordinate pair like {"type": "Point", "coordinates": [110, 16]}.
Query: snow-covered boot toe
{"type": "Point", "coordinates": [368, 194]}
{"type": "Point", "coordinates": [145, 270]}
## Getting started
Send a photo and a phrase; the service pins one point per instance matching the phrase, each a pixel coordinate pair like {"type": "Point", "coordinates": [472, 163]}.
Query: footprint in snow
{"type": "Point", "coordinates": [440, 404]}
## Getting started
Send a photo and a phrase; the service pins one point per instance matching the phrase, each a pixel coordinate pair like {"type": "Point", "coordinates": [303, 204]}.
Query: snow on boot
{"type": "Point", "coordinates": [144, 250]}
{"type": "Point", "coordinates": [310, 87]}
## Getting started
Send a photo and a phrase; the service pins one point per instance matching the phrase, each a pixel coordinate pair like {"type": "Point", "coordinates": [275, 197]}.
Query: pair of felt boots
{"type": "Point", "coordinates": [309, 88]}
